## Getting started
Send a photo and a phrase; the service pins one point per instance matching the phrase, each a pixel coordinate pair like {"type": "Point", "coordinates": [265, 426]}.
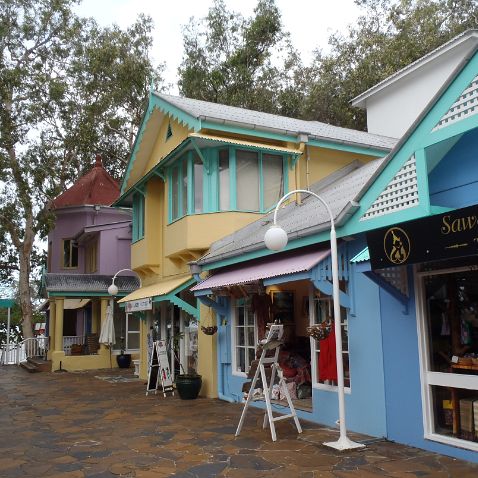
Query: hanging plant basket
{"type": "Point", "coordinates": [209, 330]}
{"type": "Point", "coordinates": [320, 331]}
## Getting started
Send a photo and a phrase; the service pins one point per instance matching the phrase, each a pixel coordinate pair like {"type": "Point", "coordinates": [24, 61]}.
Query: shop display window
{"type": "Point", "coordinates": [450, 321]}
{"type": "Point", "coordinates": [326, 367]}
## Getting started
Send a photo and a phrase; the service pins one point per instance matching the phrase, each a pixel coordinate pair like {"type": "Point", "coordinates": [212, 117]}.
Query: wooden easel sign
{"type": "Point", "coordinates": [159, 370]}
{"type": "Point", "coordinates": [164, 370]}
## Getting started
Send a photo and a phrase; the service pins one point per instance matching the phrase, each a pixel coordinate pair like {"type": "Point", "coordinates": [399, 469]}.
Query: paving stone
{"type": "Point", "coordinates": [109, 428]}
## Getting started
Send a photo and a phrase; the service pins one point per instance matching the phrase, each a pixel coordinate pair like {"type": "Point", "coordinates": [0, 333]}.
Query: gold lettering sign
{"type": "Point", "coordinates": [396, 245]}
{"type": "Point", "coordinates": [460, 224]}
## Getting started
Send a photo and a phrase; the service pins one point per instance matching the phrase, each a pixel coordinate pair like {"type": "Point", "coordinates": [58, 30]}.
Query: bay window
{"type": "Point", "coordinates": [225, 179]}
{"type": "Point", "coordinates": [138, 217]}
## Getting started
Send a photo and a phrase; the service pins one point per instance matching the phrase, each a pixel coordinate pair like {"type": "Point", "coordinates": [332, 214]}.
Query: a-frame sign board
{"type": "Point", "coordinates": [159, 370]}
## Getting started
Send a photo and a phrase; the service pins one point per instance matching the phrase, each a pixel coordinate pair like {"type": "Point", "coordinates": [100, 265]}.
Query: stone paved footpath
{"type": "Point", "coordinates": [100, 424]}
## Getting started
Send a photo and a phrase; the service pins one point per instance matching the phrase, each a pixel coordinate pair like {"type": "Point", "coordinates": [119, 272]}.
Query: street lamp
{"type": "Point", "coordinates": [276, 239]}
{"type": "Point", "coordinates": [113, 288]}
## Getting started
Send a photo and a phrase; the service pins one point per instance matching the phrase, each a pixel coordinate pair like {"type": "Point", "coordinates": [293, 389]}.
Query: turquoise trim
{"type": "Point", "coordinates": [422, 180]}
{"type": "Point", "coordinates": [173, 111]}
{"type": "Point", "coordinates": [454, 129]}
{"type": "Point", "coordinates": [86, 294]}
{"type": "Point", "coordinates": [422, 136]}
{"type": "Point", "coordinates": [365, 150]}
{"type": "Point", "coordinates": [199, 153]}
{"type": "Point", "coordinates": [138, 217]}
{"type": "Point", "coordinates": [293, 160]}
{"type": "Point", "coordinates": [440, 209]}
{"type": "Point", "coordinates": [190, 209]}
{"type": "Point", "coordinates": [183, 305]}
{"type": "Point", "coordinates": [362, 256]}
{"type": "Point", "coordinates": [7, 303]}
{"type": "Point", "coordinates": [232, 179]}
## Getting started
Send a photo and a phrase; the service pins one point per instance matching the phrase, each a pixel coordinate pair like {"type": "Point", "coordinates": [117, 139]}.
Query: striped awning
{"type": "Point", "coordinates": [264, 269]}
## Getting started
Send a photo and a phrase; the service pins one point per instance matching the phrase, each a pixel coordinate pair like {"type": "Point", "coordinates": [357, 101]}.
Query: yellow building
{"type": "Point", "coordinates": [199, 171]}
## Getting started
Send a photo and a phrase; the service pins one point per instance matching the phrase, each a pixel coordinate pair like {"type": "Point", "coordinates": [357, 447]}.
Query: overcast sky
{"type": "Point", "coordinates": [310, 22]}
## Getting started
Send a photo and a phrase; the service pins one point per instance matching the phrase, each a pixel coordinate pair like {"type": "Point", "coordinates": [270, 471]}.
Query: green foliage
{"type": "Point", "coordinates": [240, 62]}
{"type": "Point", "coordinates": [68, 90]}
{"type": "Point", "coordinates": [387, 37]}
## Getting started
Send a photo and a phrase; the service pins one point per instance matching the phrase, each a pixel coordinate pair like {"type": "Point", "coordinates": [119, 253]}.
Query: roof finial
{"type": "Point", "coordinates": [98, 162]}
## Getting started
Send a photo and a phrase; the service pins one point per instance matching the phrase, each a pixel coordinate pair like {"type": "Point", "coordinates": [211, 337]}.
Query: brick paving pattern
{"type": "Point", "coordinates": [100, 424]}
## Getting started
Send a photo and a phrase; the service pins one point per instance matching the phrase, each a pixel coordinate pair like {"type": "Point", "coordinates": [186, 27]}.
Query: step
{"type": "Point", "coordinates": [29, 367]}
{"type": "Point", "coordinates": [41, 364]}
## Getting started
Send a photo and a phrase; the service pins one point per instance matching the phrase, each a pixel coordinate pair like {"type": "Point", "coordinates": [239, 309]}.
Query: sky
{"type": "Point", "coordinates": [310, 22]}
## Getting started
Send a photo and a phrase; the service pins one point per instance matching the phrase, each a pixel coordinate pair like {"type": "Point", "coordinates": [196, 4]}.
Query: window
{"type": "Point", "coordinates": [247, 180]}
{"type": "Point", "coordinates": [448, 334]}
{"type": "Point", "coordinates": [138, 217]}
{"type": "Point", "coordinates": [91, 257]}
{"type": "Point", "coordinates": [169, 132]}
{"type": "Point", "coordinates": [324, 310]}
{"type": "Point", "coordinates": [70, 254]}
{"type": "Point", "coordinates": [127, 333]}
{"type": "Point", "coordinates": [244, 339]}
{"type": "Point", "coordinates": [225, 179]}
{"type": "Point", "coordinates": [198, 184]}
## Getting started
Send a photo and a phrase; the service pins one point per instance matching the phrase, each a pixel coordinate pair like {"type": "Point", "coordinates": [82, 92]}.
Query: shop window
{"type": "Point", "coordinates": [91, 257]}
{"type": "Point", "coordinates": [324, 351]}
{"type": "Point", "coordinates": [70, 254]}
{"type": "Point", "coordinates": [449, 341]}
{"type": "Point", "coordinates": [138, 217]}
{"type": "Point", "coordinates": [244, 336]}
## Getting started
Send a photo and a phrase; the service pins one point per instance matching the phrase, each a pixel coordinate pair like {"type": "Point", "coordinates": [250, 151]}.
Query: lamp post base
{"type": "Point", "coordinates": [343, 443]}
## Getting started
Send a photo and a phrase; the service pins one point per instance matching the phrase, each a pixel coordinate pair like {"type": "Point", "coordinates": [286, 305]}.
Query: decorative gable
{"type": "Point", "coordinates": [466, 105]}
{"type": "Point", "coordinates": [400, 193]}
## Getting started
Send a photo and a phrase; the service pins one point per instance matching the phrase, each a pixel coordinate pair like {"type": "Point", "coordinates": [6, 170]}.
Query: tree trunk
{"type": "Point", "coordinates": [25, 293]}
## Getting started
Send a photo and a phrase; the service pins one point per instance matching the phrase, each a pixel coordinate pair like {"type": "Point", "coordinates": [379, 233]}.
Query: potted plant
{"type": "Point", "coordinates": [188, 385]}
{"type": "Point", "coordinates": [123, 360]}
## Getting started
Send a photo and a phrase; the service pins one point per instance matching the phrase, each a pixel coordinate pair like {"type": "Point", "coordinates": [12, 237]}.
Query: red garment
{"type": "Point", "coordinates": [328, 358]}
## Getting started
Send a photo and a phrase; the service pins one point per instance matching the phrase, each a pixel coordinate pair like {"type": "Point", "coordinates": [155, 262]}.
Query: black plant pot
{"type": "Point", "coordinates": [123, 360]}
{"type": "Point", "coordinates": [188, 386]}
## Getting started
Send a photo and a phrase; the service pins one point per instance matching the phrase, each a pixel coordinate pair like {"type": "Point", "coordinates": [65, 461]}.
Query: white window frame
{"type": "Point", "coordinates": [429, 378]}
{"type": "Point", "coordinates": [313, 349]}
{"type": "Point", "coordinates": [127, 332]}
{"type": "Point", "coordinates": [234, 343]}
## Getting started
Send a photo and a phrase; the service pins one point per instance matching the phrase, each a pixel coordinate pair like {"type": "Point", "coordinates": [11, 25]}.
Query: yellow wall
{"type": "Point", "coordinates": [162, 146]}
{"type": "Point", "coordinates": [207, 359]}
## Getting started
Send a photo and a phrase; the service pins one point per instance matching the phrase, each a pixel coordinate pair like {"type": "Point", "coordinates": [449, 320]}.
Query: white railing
{"type": "Point", "coordinates": [19, 352]}
{"type": "Point", "coordinates": [69, 340]}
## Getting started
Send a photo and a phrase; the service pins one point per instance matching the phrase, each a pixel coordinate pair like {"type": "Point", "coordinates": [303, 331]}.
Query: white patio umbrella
{"type": "Point", "coordinates": [107, 334]}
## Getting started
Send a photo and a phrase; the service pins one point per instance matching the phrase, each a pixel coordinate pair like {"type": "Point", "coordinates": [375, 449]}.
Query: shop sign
{"type": "Point", "coordinates": [138, 305]}
{"type": "Point", "coordinates": [444, 236]}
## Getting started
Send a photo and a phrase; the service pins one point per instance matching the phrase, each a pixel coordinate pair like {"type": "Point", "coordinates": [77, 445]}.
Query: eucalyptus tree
{"type": "Point", "coordinates": [246, 62]}
{"type": "Point", "coordinates": [68, 89]}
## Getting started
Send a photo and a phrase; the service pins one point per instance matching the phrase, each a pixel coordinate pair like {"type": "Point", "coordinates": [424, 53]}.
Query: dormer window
{"type": "Point", "coordinates": [231, 179]}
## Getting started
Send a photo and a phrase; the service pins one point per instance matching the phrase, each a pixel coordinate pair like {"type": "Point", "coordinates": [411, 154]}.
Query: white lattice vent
{"type": "Point", "coordinates": [396, 277]}
{"type": "Point", "coordinates": [401, 192]}
{"type": "Point", "coordinates": [466, 105]}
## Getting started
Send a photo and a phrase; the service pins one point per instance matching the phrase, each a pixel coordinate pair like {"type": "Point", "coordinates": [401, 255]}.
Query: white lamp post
{"type": "Point", "coordinates": [113, 288]}
{"type": "Point", "coordinates": [276, 239]}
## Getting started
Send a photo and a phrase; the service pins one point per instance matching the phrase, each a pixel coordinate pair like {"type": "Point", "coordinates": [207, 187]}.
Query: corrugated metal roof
{"type": "Point", "coordinates": [238, 142]}
{"type": "Point", "coordinates": [297, 220]}
{"type": "Point", "coordinates": [272, 267]}
{"type": "Point", "coordinates": [155, 290]}
{"type": "Point", "coordinates": [362, 256]}
{"type": "Point", "coordinates": [88, 283]}
{"type": "Point", "coordinates": [234, 116]}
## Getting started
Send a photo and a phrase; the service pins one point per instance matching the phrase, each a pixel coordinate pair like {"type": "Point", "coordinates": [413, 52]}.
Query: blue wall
{"type": "Point", "coordinates": [365, 405]}
{"type": "Point", "coordinates": [454, 181]}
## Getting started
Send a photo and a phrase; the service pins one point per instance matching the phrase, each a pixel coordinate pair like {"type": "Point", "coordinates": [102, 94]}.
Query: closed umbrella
{"type": "Point", "coordinates": [107, 335]}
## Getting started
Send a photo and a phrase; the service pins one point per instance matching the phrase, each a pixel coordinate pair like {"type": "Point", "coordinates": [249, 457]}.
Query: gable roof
{"type": "Point", "coordinates": [339, 190]}
{"type": "Point", "coordinates": [469, 37]}
{"type": "Point", "coordinates": [96, 187]}
{"type": "Point", "coordinates": [208, 112]}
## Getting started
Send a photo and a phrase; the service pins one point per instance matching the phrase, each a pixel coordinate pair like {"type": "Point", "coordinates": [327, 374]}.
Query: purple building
{"type": "Point", "coordinates": [89, 244]}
